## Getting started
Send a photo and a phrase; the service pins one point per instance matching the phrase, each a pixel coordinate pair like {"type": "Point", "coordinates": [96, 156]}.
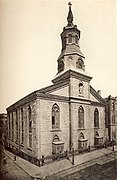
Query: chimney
{"type": "Point", "coordinates": [99, 92]}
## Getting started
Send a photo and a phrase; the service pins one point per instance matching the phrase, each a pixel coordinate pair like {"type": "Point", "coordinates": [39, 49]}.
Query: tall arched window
{"type": "Point", "coordinates": [80, 88]}
{"type": "Point", "coordinates": [81, 117]}
{"type": "Point", "coordinates": [60, 66]}
{"type": "Point", "coordinates": [22, 126]}
{"type": "Point", "coordinates": [55, 117]}
{"type": "Point", "coordinates": [96, 118]}
{"type": "Point", "coordinates": [30, 126]}
{"type": "Point", "coordinates": [13, 127]}
{"type": "Point", "coordinates": [30, 119]}
{"type": "Point", "coordinates": [76, 39]}
{"type": "Point", "coordinates": [69, 38]}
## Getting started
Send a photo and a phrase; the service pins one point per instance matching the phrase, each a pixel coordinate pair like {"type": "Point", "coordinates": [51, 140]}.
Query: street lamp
{"type": "Point", "coordinates": [72, 155]}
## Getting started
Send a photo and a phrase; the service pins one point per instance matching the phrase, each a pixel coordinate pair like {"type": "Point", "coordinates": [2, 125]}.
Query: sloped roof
{"type": "Point", "coordinates": [96, 95]}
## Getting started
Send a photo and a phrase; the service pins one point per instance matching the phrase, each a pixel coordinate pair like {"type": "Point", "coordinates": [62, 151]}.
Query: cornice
{"type": "Point", "coordinates": [81, 76]}
{"type": "Point", "coordinates": [64, 53]}
{"type": "Point", "coordinates": [97, 104]}
{"type": "Point", "coordinates": [62, 78]}
{"type": "Point", "coordinates": [110, 98]}
{"type": "Point", "coordinates": [71, 73]}
{"type": "Point", "coordinates": [68, 29]}
{"type": "Point", "coordinates": [34, 96]}
{"type": "Point", "coordinates": [23, 101]}
{"type": "Point", "coordinates": [52, 97]}
{"type": "Point", "coordinates": [79, 99]}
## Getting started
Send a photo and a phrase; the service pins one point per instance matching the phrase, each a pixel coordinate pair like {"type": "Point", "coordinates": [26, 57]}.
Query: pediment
{"type": "Point", "coordinates": [61, 91]}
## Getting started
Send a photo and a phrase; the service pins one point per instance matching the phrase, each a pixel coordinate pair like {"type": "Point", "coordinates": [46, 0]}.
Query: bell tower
{"type": "Point", "coordinates": [71, 56]}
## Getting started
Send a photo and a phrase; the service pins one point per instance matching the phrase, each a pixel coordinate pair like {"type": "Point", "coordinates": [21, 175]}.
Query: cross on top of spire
{"type": "Point", "coordinates": [70, 15]}
{"type": "Point", "coordinates": [70, 4]}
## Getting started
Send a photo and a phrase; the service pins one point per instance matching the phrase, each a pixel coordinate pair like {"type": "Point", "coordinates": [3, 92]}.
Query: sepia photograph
{"type": "Point", "coordinates": [58, 90]}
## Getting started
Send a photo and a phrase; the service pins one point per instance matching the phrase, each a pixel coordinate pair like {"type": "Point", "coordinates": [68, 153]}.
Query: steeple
{"type": "Point", "coordinates": [71, 62]}
{"type": "Point", "coordinates": [70, 16]}
{"type": "Point", "coordinates": [71, 55]}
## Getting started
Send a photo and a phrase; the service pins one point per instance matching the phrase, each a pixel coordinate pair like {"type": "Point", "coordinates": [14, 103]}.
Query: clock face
{"type": "Point", "coordinates": [70, 58]}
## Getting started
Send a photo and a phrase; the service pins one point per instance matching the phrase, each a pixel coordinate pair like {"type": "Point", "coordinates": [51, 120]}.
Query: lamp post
{"type": "Point", "coordinates": [113, 144]}
{"type": "Point", "coordinates": [72, 155]}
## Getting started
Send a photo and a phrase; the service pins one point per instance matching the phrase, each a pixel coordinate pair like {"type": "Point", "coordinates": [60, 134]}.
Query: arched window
{"type": "Point", "coordinates": [16, 126]}
{"type": "Point", "coordinates": [22, 125]}
{"type": "Point", "coordinates": [55, 117]}
{"type": "Point", "coordinates": [69, 38]}
{"type": "Point", "coordinates": [57, 145]}
{"type": "Point", "coordinates": [76, 39]}
{"type": "Point", "coordinates": [13, 127]}
{"type": "Point", "coordinates": [30, 126]}
{"type": "Point", "coordinates": [81, 117]}
{"type": "Point", "coordinates": [56, 138]}
{"type": "Point", "coordinates": [80, 64]}
{"type": "Point", "coordinates": [80, 88]}
{"type": "Point", "coordinates": [81, 136]}
{"type": "Point", "coordinates": [96, 118]}
{"type": "Point", "coordinates": [60, 66]}
{"type": "Point", "coordinates": [82, 142]}
{"type": "Point", "coordinates": [30, 119]}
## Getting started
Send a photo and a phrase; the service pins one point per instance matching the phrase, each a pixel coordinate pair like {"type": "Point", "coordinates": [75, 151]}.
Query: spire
{"type": "Point", "coordinates": [70, 15]}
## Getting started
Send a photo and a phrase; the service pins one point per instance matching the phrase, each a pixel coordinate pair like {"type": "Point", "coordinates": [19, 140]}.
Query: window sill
{"type": "Point", "coordinates": [81, 129]}
{"type": "Point", "coordinates": [29, 148]}
{"type": "Point", "coordinates": [54, 130]}
{"type": "Point", "coordinates": [81, 95]}
{"type": "Point", "coordinates": [96, 128]}
{"type": "Point", "coordinates": [22, 145]}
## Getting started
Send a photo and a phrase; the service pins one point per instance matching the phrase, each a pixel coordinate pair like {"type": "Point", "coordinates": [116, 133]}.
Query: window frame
{"type": "Point", "coordinates": [55, 116]}
{"type": "Point", "coordinates": [96, 118]}
{"type": "Point", "coordinates": [81, 118]}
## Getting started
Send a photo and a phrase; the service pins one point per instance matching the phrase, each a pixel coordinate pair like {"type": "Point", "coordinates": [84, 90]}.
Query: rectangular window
{"type": "Point", "coordinates": [22, 126]}
{"type": "Point", "coordinates": [16, 127]}
{"type": "Point", "coordinates": [22, 137]}
{"type": "Point", "coordinates": [9, 125]}
{"type": "Point", "coordinates": [53, 120]}
{"type": "Point", "coordinates": [30, 126]}
{"type": "Point", "coordinates": [30, 140]}
{"type": "Point", "coordinates": [22, 132]}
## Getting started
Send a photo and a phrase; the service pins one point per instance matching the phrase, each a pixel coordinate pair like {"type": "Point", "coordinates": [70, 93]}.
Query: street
{"type": "Point", "coordinates": [107, 171]}
{"type": "Point", "coordinates": [11, 171]}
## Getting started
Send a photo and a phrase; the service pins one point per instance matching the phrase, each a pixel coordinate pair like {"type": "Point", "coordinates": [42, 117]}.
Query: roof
{"type": "Point", "coordinates": [96, 95]}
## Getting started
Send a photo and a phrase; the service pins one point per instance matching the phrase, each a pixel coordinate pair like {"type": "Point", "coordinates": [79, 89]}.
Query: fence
{"type": "Point", "coordinates": [54, 157]}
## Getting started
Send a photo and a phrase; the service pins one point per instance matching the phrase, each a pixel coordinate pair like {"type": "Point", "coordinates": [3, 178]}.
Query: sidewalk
{"type": "Point", "coordinates": [59, 166]}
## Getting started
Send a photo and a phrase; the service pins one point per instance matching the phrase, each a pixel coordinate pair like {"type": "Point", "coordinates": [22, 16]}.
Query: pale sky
{"type": "Point", "coordinates": [30, 44]}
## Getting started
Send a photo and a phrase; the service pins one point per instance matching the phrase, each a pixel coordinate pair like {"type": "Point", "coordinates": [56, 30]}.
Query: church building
{"type": "Point", "coordinates": [68, 114]}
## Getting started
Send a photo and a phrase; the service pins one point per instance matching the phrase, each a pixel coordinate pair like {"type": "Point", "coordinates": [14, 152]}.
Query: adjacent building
{"type": "Point", "coordinates": [70, 113]}
{"type": "Point", "coordinates": [3, 130]}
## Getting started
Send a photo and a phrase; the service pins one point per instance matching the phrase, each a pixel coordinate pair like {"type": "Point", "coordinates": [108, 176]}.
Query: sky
{"type": "Point", "coordinates": [30, 44]}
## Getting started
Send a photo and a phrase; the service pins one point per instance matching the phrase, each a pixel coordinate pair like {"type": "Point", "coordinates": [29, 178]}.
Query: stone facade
{"type": "Point", "coordinates": [68, 114]}
{"type": "Point", "coordinates": [111, 118]}
{"type": "Point", "coordinates": [3, 130]}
